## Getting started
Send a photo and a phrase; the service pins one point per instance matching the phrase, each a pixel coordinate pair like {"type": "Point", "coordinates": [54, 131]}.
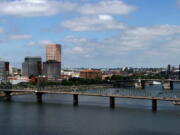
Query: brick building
{"type": "Point", "coordinates": [91, 74]}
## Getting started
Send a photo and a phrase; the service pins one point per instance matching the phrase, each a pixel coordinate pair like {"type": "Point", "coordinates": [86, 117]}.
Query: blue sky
{"type": "Point", "coordinates": [93, 33]}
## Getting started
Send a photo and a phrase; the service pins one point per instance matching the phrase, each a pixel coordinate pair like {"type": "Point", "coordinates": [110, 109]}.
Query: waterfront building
{"type": "Point", "coordinates": [32, 66]}
{"type": "Point", "coordinates": [91, 74]}
{"type": "Point", "coordinates": [70, 73]}
{"type": "Point", "coordinates": [4, 70]}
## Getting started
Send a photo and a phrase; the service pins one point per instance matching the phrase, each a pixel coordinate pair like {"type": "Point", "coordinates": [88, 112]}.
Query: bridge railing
{"type": "Point", "coordinates": [108, 91]}
{"type": "Point", "coordinates": [169, 94]}
{"type": "Point", "coordinates": [128, 92]}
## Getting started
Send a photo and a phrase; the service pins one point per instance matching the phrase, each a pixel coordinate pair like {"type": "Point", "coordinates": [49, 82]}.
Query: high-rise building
{"type": "Point", "coordinates": [53, 52]}
{"type": "Point", "coordinates": [31, 66]}
{"type": "Point", "coordinates": [52, 70]}
{"type": "Point", "coordinates": [4, 70]}
{"type": "Point", "coordinates": [52, 66]}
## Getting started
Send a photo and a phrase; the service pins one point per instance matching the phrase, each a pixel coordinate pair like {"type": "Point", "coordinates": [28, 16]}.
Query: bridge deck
{"type": "Point", "coordinates": [159, 80]}
{"type": "Point", "coordinates": [98, 93]}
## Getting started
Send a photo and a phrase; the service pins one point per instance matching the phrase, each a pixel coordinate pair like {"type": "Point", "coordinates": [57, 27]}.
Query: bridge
{"type": "Point", "coordinates": [141, 83]}
{"type": "Point", "coordinates": [110, 92]}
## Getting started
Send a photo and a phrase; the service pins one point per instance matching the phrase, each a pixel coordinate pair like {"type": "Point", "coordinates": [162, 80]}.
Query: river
{"type": "Point", "coordinates": [57, 116]}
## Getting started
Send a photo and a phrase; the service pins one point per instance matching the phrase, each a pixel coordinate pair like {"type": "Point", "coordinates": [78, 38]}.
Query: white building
{"type": "Point", "coordinates": [71, 73]}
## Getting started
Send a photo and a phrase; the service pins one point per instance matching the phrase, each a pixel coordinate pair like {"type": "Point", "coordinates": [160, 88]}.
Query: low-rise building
{"type": "Point", "coordinates": [70, 73]}
{"type": "Point", "coordinates": [14, 71]}
{"type": "Point", "coordinates": [91, 74]}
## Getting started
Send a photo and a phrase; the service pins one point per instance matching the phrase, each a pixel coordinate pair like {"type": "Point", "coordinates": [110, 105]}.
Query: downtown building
{"type": "Point", "coordinates": [4, 71]}
{"type": "Point", "coordinates": [32, 67]}
{"type": "Point", "coordinates": [52, 66]}
{"type": "Point", "coordinates": [91, 74]}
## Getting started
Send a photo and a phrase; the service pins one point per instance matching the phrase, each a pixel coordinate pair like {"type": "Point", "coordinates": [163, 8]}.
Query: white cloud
{"type": "Point", "coordinates": [75, 40]}
{"type": "Point", "coordinates": [78, 50]}
{"type": "Point", "coordinates": [21, 37]}
{"type": "Point", "coordinates": [32, 43]}
{"type": "Point", "coordinates": [93, 23]}
{"type": "Point", "coordinates": [162, 30]}
{"type": "Point", "coordinates": [151, 45]}
{"type": "Point", "coordinates": [39, 43]}
{"type": "Point", "coordinates": [28, 8]}
{"type": "Point", "coordinates": [143, 37]}
{"type": "Point", "coordinates": [45, 42]}
{"type": "Point", "coordinates": [107, 7]}
{"type": "Point", "coordinates": [105, 17]}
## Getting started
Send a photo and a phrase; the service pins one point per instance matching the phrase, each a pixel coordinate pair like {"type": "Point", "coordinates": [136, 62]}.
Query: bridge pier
{"type": "Point", "coordinates": [154, 105]}
{"type": "Point", "coordinates": [143, 84]}
{"type": "Point", "coordinates": [168, 85]}
{"type": "Point", "coordinates": [112, 102]}
{"type": "Point", "coordinates": [75, 99]}
{"type": "Point", "coordinates": [8, 95]}
{"type": "Point", "coordinates": [39, 97]}
{"type": "Point", "coordinates": [140, 84]}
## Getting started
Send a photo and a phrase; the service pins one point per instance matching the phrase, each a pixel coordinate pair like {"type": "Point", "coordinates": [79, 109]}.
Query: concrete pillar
{"type": "Point", "coordinates": [75, 99]}
{"type": "Point", "coordinates": [39, 97]}
{"type": "Point", "coordinates": [140, 84]}
{"type": "Point", "coordinates": [8, 95]}
{"type": "Point", "coordinates": [154, 105]}
{"type": "Point", "coordinates": [112, 102]}
{"type": "Point", "coordinates": [171, 85]}
{"type": "Point", "coordinates": [168, 85]}
{"type": "Point", "coordinates": [143, 84]}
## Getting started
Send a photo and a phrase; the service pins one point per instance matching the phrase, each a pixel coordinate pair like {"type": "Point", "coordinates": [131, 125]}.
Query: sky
{"type": "Point", "coordinates": [93, 33]}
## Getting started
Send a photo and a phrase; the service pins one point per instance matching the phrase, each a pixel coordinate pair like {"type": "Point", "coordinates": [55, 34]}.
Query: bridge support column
{"type": "Point", "coordinates": [154, 105]}
{"type": "Point", "coordinates": [168, 85]}
{"type": "Point", "coordinates": [143, 84]}
{"type": "Point", "coordinates": [171, 85]}
{"type": "Point", "coordinates": [140, 84]}
{"type": "Point", "coordinates": [8, 95]}
{"type": "Point", "coordinates": [39, 97]}
{"type": "Point", "coordinates": [112, 102]}
{"type": "Point", "coordinates": [75, 99]}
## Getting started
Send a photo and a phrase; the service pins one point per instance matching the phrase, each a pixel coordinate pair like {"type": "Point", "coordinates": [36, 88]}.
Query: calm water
{"type": "Point", "coordinates": [57, 116]}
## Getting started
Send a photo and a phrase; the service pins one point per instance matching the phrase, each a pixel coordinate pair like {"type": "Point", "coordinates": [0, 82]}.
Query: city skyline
{"type": "Point", "coordinates": [105, 33]}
